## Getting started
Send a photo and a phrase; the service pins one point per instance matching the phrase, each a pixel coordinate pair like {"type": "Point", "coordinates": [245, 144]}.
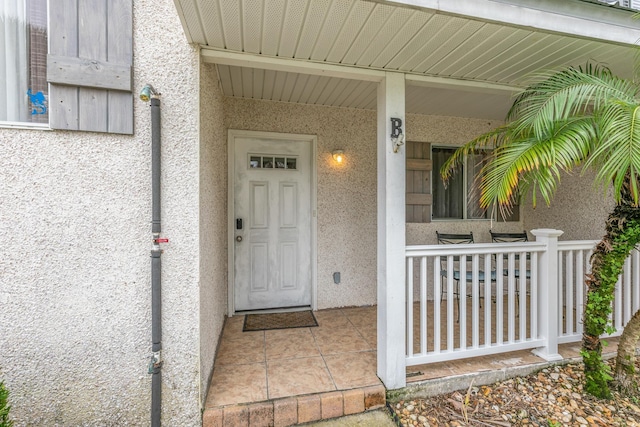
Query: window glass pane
{"type": "Point", "coordinates": [475, 162]}
{"type": "Point", "coordinates": [291, 163]}
{"type": "Point", "coordinates": [23, 61]}
{"type": "Point", "coordinates": [280, 163]}
{"type": "Point", "coordinates": [448, 203]}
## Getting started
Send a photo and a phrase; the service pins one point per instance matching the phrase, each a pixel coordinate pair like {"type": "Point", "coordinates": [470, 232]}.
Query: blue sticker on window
{"type": "Point", "coordinates": [38, 102]}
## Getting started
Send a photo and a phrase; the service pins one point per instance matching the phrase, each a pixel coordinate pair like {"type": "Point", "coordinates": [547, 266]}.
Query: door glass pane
{"type": "Point", "coordinates": [267, 162]}
{"type": "Point", "coordinates": [254, 162]}
{"type": "Point", "coordinates": [257, 161]}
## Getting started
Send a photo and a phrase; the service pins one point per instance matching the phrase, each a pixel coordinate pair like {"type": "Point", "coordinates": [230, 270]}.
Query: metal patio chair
{"type": "Point", "coordinates": [452, 239]}
{"type": "Point", "coordinates": [512, 238]}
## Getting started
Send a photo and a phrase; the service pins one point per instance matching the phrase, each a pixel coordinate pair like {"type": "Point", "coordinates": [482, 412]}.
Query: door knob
{"type": "Point", "coordinates": [238, 238]}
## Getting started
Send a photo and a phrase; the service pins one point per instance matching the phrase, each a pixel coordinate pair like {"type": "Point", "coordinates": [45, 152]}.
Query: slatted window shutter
{"type": "Point", "coordinates": [418, 175]}
{"type": "Point", "coordinates": [89, 65]}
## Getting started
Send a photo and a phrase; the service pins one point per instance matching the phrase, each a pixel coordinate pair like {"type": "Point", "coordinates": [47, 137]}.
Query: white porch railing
{"type": "Point", "coordinates": [512, 296]}
{"type": "Point", "coordinates": [573, 266]}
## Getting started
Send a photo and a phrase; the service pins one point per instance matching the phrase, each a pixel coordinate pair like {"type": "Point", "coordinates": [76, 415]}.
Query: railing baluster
{"type": "Point", "coordinates": [560, 292]}
{"type": "Point", "coordinates": [462, 304]}
{"type": "Point", "coordinates": [475, 300]}
{"type": "Point", "coordinates": [423, 305]}
{"type": "Point", "coordinates": [437, 320]}
{"type": "Point", "coordinates": [569, 285]}
{"type": "Point", "coordinates": [511, 314]}
{"type": "Point", "coordinates": [534, 295]}
{"type": "Point", "coordinates": [579, 290]}
{"type": "Point", "coordinates": [522, 292]}
{"type": "Point", "coordinates": [499, 299]}
{"type": "Point", "coordinates": [409, 306]}
{"type": "Point", "coordinates": [617, 303]}
{"type": "Point", "coordinates": [487, 302]}
{"type": "Point", "coordinates": [450, 319]}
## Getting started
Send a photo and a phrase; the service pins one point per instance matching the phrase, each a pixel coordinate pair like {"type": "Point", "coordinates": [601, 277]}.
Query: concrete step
{"type": "Point", "coordinates": [377, 418]}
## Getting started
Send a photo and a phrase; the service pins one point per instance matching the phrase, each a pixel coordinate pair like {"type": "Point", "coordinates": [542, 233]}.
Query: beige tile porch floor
{"type": "Point", "coordinates": [339, 354]}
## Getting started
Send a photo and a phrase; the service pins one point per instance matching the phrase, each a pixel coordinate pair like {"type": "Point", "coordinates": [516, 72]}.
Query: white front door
{"type": "Point", "coordinates": [272, 222]}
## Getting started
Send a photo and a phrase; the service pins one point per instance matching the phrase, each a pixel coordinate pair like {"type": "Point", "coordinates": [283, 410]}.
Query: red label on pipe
{"type": "Point", "coordinates": [162, 240]}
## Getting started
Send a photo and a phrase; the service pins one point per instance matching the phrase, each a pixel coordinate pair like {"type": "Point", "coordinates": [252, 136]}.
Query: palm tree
{"type": "Point", "coordinates": [574, 117]}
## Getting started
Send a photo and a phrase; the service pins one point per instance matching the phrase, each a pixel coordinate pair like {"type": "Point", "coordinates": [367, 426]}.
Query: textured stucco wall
{"type": "Point", "coordinates": [213, 221]}
{"type": "Point", "coordinates": [347, 193]}
{"type": "Point", "coordinates": [578, 208]}
{"type": "Point", "coordinates": [75, 213]}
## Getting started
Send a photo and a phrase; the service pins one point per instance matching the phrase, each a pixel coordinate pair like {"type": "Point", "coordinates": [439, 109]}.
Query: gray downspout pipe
{"type": "Point", "coordinates": [156, 264]}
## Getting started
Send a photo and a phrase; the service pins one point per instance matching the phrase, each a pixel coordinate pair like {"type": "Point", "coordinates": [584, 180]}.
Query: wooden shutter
{"type": "Point", "coordinates": [89, 65]}
{"type": "Point", "coordinates": [418, 197]}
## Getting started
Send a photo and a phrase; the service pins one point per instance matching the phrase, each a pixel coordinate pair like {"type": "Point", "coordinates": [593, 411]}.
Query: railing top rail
{"type": "Point", "coordinates": [474, 248]}
{"type": "Point", "coordinates": [567, 245]}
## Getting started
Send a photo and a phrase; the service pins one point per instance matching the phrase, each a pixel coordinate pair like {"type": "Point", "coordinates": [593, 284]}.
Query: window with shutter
{"type": "Point", "coordinates": [89, 66]}
{"type": "Point", "coordinates": [460, 198]}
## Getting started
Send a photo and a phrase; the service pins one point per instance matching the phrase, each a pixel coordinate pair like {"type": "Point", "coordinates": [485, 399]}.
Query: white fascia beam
{"type": "Point", "coordinates": [289, 65]}
{"type": "Point", "coordinates": [461, 85]}
{"type": "Point", "coordinates": [248, 60]}
{"type": "Point", "coordinates": [570, 17]}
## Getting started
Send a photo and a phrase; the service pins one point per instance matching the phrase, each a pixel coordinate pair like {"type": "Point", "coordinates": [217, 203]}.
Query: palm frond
{"type": "Point", "coordinates": [486, 141]}
{"type": "Point", "coordinates": [584, 115]}
{"type": "Point", "coordinates": [567, 93]}
{"type": "Point", "coordinates": [618, 149]}
{"type": "Point", "coordinates": [529, 161]}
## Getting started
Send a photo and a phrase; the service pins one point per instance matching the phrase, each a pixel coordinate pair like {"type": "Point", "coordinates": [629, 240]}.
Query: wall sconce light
{"type": "Point", "coordinates": [338, 155]}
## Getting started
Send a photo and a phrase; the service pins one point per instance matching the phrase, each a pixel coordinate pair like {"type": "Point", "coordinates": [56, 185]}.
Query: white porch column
{"type": "Point", "coordinates": [391, 234]}
{"type": "Point", "coordinates": [548, 293]}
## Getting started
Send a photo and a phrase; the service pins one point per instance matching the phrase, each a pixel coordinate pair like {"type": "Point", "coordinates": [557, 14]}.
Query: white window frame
{"type": "Point", "coordinates": [30, 125]}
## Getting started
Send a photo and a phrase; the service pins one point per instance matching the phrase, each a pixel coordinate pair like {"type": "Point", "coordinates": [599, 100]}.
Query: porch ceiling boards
{"type": "Point", "coordinates": [492, 59]}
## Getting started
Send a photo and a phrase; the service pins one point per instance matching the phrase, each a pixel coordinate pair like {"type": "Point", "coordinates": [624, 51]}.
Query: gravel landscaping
{"type": "Point", "coordinates": [552, 398]}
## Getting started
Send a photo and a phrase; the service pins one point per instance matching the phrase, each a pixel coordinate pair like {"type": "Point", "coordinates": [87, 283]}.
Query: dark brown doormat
{"type": "Point", "coordinates": [294, 319]}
